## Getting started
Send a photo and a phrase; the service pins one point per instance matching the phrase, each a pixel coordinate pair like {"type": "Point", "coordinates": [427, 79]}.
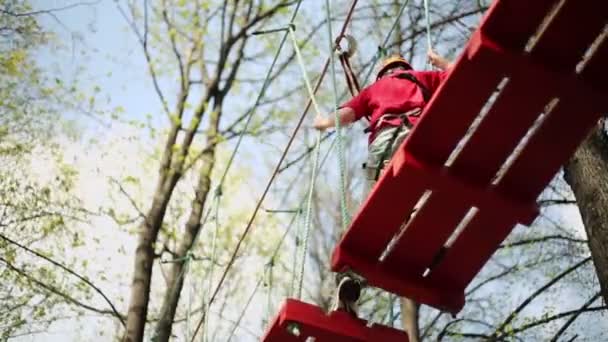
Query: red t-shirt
{"type": "Point", "coordinates": [394, 95]}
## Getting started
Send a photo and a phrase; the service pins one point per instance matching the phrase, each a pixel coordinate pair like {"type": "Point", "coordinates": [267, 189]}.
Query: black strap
{"type": "Point", "coordinates": [426, 94]}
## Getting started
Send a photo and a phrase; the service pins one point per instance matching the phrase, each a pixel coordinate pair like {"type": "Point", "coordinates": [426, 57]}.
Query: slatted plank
{"type": "Point", "coordinates": [595, 71]}
{"type": "Point", "coordinates": [447, 118]}
{"type": "Point", "coordinates": [566, 38]}
{"type": "Point", "coordinates": [472, 249]}
{"type": "Point", "coordinates": [501, 130]}
{"type": "Point", "coordinates": [298, 321]}
{"type": "Point", "coordinates": [380, 217]}
{"type": "Point", "coordinates": [429, 230]}
{"type": "Point", "coordinates": [556, 140]}
{"type": "Point", "coordinates": [441, 296]}
{"type": "Point", "coordinates": [511, 23]}
{"type": "Point", "coordinates": [535, 79]}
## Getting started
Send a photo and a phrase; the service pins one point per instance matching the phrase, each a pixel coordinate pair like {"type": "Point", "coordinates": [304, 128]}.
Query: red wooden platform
{"type": "Point", "coordinates": [539, 83]}
{"type": "Point", "coordinates": [298, 321]}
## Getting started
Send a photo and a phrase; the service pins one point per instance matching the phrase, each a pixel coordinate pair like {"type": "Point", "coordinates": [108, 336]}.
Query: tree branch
{"type": "Point", "coordinates": [140, 213]}
{"type": "Point", "coordinates": [65, 268]}
{"type": "Point", "coordinates": [575, 316]}
{"type": "Point", "coordinates": [54, 290]}
{"type": "Point", "coordinates": [542, 239]}
{"type": "Point", "coordinates": [50, 10]}
{"type": "Point", "coordinates": [558, 316]}
{"type": "Point", "coordinates": [538, 292]}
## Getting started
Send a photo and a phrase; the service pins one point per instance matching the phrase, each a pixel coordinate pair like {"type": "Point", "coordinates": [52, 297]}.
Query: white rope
{"type": "Point", "coordinates": [429, 44]}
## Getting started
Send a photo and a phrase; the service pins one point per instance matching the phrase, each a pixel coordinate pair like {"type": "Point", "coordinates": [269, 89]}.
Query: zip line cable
{"type": "Point", "coordinates": [273, 176]}
{"type": "Point", "coordinates": [249, 224]}
{"type": "Point", "coordinates": [294, 274]}
{"type": "Point", "coordinates": [236, 323]}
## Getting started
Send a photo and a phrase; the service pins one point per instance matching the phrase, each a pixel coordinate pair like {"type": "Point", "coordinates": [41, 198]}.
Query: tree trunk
{"type": "Point", "coordinates": [587, 174]}
{"type": "Point", "coordinates": [175, 279]}
{"type": "Point", "coordinates": [176, 275]}
{"type": "Point", "coordinates": [144, 253]}
{"type": "Point", "coordinates": [409, 318]}
{"type": "Point", "coordinates": [142, 272]}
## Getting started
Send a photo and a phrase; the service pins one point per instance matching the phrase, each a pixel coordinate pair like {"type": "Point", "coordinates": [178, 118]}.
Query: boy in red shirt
{"type": "Point", "coordinates": [393, 105]}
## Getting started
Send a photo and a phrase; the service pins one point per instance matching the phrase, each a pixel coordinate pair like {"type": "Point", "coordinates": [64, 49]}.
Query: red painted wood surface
{"type": "Point", "coordinates": [298, 321]}
{"type": "Point", "coordinates": [533, 73]}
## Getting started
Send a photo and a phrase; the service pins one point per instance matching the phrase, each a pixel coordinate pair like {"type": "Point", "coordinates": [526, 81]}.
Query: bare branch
{"type": "Point", "coordinates": [575, 316]}
{"type": "Point", "coordinates": [131, 200]}
{"type": "Point", "coordinates": [56, 291]}
{"type": "Point", "coordinates": [557, 316]}
{"type": "Point", "coordinates": [541, 239]}
{"type": "Point", "coordinates": [549, 202]}
{"type": "Point", "coordinates": [50, 10]}
{"type": "Point", "coordinates": [537, 293]}
{"type": "Point", "coordinates": [178, 56]}
{"type": "Point", "coordinates": [65, 268]}
{"type": "Point", "coordinates": [151, 69]}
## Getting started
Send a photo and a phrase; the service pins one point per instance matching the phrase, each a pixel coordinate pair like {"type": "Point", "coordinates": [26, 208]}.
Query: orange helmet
{"type": "Point", "coordinates": [391, 62]}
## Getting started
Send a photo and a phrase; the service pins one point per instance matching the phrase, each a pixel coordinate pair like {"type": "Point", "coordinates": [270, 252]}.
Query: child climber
{"type": "Point", "coordinates": [393, 104]}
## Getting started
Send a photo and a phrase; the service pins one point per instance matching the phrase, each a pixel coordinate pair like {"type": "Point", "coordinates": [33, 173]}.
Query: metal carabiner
{"type": "Point", "coordinates": [351, 46]}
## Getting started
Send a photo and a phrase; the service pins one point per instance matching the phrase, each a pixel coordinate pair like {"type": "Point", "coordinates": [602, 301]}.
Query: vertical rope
{"type": "Point", "coordinates": [296, 48]}
{"type": "Point", "coordinates": [296, 255]}
{"type": "Point", "coordinates": [381, 49]}
{"type": "Point", "coordinates": [341, 161]}
{"type": "Point", "coordinates": [307, 220]}
{"type": "Point", "coordinates": [429, 45]}
{"type": "Point", "coordinates": [428, 24]}
{"type": "Point", "coordinates": [307, 216]}
{"type": "Point", "coordinates": [269, 285]}
{"type": "Point", "coordinates": [189, 301]}
{"type": "Point", "coordinates": [212, 262]}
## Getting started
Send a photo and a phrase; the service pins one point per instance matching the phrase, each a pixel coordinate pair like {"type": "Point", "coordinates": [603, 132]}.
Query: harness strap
{"type": "Point", "coordinates": [351, 79]}
{"type": "Point", "coordinates": [426, 95]}
{"type": "Point", "coordinates": [405, 122]}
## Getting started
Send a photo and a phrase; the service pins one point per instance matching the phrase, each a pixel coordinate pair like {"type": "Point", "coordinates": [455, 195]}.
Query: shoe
{"type": "Point", "coordinates": [348, 292]}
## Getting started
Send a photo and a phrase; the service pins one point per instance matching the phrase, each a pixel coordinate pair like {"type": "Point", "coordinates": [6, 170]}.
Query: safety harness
{"type": "Point", "coordinates": [426, 95]}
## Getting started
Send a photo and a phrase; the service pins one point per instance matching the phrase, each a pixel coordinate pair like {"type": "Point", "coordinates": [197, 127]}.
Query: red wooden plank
{"type": "Point", "coordinates": [570, 33]}
{"type": "Point", "coordinates": [380, 216]}
{"type": "Point", "coordinates": [440, 180]}
{"type": "Point", "coordinates": [596, 70]}
{"type": "Point", "coordinates": [428, 231]}
{"type": "Point", "coordinates": [556, 140]}
{"type": "Point", "coordinates": [298, 321]}
{"type": "Point", "coordinates": [472, 249]}
{"type": "Point", "coordinates": [440, 216]}
{"type": "Point", "coordinates": [440, 296]}
{"type": "Point", "coordinates": [501, 130]}
{"type": "Point", "coordinates": [447, 118]}
{"type": "Point", "coordinates": [511, 23]}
